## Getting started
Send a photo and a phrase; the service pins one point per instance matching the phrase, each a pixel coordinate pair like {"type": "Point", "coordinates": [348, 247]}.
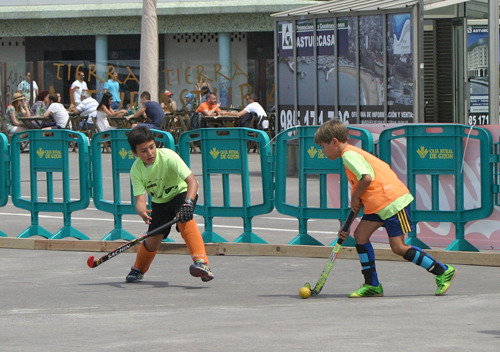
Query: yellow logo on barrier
{"type": "Point", "coordinates": [435, 153]}
{"type": "Point", "coordinates": [40, 152]}
{"type": "Point", "coordinates": [315, 151]}
{"type": "Point", "coordinates": [214, 153]}
{"type": "Point", "coordinates": [312, 151]}
{"type": "Point", "coordinates": [124, 153]}
{"type": "Point", "coordinates": [422, 151]}
{"type": "Point", "coordinates": [49, 154]}
{"type": "Point", "coordinates": [225, 154]}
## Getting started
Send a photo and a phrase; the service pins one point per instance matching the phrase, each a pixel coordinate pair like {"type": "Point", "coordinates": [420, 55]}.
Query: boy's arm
{"type": "Point", "coordinates": [141, 208]}
{"type": "Point", "coordinates": [140, 112]}
{"type": "Point", "coordinates": [363, 185]}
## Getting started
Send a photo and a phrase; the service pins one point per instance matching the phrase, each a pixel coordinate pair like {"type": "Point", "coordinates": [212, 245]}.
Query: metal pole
{"type": "Point", "coordinates": [493, 61]}
{"type": "Point", "coordinates": [418, 97]}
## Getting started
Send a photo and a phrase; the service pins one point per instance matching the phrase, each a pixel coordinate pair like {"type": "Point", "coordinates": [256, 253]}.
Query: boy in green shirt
{"type": "Point", "coordinates": [164, 175]}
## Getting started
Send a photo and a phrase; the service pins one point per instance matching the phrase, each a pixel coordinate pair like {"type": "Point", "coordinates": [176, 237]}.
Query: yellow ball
{"type": "Point", "coordinates": [305, 292]}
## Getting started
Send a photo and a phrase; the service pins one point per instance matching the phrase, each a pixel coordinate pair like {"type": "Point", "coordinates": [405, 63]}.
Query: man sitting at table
{"type": "Point", "coordinates": [212, 108]}
{"type": "Point", "coordinates": [253, 107]}
{"type": "Point", "coordinates": [58, 112]}
{"type": "Point", "coordinates": [88, 108]}
{"type": "Point", "coordinates": [152, 110]}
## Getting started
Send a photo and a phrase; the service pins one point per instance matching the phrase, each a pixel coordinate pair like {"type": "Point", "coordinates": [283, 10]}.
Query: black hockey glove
{"type": "Point", "coordinates": [186, 210]}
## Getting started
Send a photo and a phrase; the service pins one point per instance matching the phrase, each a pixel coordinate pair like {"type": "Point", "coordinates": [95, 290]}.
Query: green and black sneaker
{"type": "Point", "coordinates": [443, 281]}
{"type": "Point", "coordinates": [368, 291]}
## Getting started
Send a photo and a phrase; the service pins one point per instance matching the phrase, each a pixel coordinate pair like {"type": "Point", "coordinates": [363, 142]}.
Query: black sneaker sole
{"type": "Point", "coordinates": [198, 272]}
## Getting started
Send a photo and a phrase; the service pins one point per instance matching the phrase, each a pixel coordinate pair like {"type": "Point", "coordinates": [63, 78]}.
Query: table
{"type": "Point", "coordinates": [226, 120]}
{"type": "Point", "coordinates": [125, 121]}
{"type": "Point", "coordinates": [26, 121]}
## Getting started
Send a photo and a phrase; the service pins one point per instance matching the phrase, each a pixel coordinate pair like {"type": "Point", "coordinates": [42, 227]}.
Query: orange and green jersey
{"type": "Point", "coordinates": [386, 195]}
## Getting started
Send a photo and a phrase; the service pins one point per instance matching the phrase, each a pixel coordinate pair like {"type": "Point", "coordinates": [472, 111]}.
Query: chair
{"type": "Point", "coordinates": [3, 128]}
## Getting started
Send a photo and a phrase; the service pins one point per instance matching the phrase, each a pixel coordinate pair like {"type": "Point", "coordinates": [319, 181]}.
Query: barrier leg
{"type": "Point", "coordinates": [412, 240]}
{"type": "Point", "coordinates": [248, 236]}
{"type": "Point", "coordinates": [209, 236]}
{"type": "Point", "coordinates": [460, 243]}
{"type": "Point", "coordinates": [34, 229]}
{"type": "Point", "coordinates": [303, 237]}
{"type": "Point", "coordinates": [68, 231]}
{"type": "Point", "coordinates": [2, 234]}
{"type": "Point", "coordinates": [118, 233]}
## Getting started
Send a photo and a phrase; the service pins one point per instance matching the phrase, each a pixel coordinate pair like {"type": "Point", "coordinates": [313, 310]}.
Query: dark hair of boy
{"type": "Point", "coordinates": [146, 95]}
{"type": "Point", "coordinates": [138, 136]}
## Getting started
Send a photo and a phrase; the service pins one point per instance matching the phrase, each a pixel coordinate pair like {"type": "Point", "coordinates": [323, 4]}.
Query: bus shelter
{"type": "Point", "coordinates": [387, 61]}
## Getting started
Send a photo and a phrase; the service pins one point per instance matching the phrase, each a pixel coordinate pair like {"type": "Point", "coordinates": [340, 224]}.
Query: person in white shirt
{"type": "Point", "coordinates": [252, 107]}
{"type": "Point", "coordinates": [77, 87]}
{"type": "Point", "coordinates": [88, 107]}
{"type": "Point", "coordinates": [24, 88]}
{"type": "Point", "coordinates": [58, 113]}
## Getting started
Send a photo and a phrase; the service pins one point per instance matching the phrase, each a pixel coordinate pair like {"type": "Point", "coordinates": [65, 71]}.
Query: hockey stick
{"type": "Point", "coordinates": [333, 256]}
{"type": "Point", "coordinates": [93, 263]}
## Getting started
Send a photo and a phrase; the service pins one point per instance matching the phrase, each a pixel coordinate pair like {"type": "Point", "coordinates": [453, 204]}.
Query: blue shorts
{"type": "Point", "coordinates": [397, 225]}
{"type": "Point", "coordinates": [148, 125]}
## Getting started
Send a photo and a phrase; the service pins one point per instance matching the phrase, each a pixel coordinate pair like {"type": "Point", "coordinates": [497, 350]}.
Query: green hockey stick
{"type": "Point", "coordinates": [333, 256]}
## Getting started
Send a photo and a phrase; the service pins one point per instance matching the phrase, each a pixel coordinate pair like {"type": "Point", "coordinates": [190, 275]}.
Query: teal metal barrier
{"type": "Point", "coordinates": [48, 155]}
{"type": "Point", "coordinates": [225, 153]}
{"type": "Point", "coordinates": [4, 173]}
{"type": "Point", "coordinates": [312, 161]}
{"type": "Point", "coordinates": [122, 159]}
{"type": "Point", "coordinates": [436, 150]}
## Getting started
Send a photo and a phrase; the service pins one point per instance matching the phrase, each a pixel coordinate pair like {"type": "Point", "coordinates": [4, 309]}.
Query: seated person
{"type": "Point", "coordinates": [87, 107]}
{"type": "Point", "coordinates": [152, 110]}
{"type": "Point", "coordinates": [168, 104]}
{"type": "Point", "coordinates": [18, 107]}
{"type": "Point", "coordinates": [190, 102]}
{"type": "Point", "coordinates": [104, 110]}
{"type": "Point", "coordinates": [39, 104]}
{"type": "Point", "coordinates": [212, 108]}
{"type": "Point", "coordinates": [253, 107]}
{"type": "Point", "coordinates": [203, 94]}
{"type": "Point", "coordinates": [39, 108]}
{"type": "Point", "coordinates": [58, 113]}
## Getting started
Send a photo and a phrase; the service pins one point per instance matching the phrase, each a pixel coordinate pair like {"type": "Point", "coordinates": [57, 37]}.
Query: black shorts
{"type": "Point", "coordinates": [165, 212]}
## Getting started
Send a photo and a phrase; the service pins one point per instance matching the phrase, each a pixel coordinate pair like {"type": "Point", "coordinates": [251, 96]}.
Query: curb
{"type": "Point", "coordinates": [226, 248]}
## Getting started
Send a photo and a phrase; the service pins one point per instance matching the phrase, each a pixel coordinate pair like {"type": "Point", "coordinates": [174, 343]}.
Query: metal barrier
{"type": "Point", "coordinates": [122, 159]}
{"type": "Point", "coordinates": [4, 173]}
{"type": "Point", "coordinates": [225, 153]}
{"type": "Point", "coordinates": [49, 154]}
{"type": "Point", "coordinates": [438, 152]}
{"type": "Point", "coordinates": [312, 161]}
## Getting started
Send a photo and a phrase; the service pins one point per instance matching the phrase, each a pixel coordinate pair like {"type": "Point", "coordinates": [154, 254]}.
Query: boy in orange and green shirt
{"type": "Point", "coordinates": [386, 202]}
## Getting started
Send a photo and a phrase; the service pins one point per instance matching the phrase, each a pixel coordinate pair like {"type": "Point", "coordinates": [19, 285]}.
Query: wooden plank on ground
{"type": "Point", "coordinates": [486, 258]}
{"type": "Point", "coordinates": [17, 243]}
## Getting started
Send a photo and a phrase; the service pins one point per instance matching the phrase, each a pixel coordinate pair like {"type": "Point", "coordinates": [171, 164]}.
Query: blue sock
{"type": "Point", "coordinates": [420, 258]}
{"type": "Point", "coordinates": [367, 259]}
